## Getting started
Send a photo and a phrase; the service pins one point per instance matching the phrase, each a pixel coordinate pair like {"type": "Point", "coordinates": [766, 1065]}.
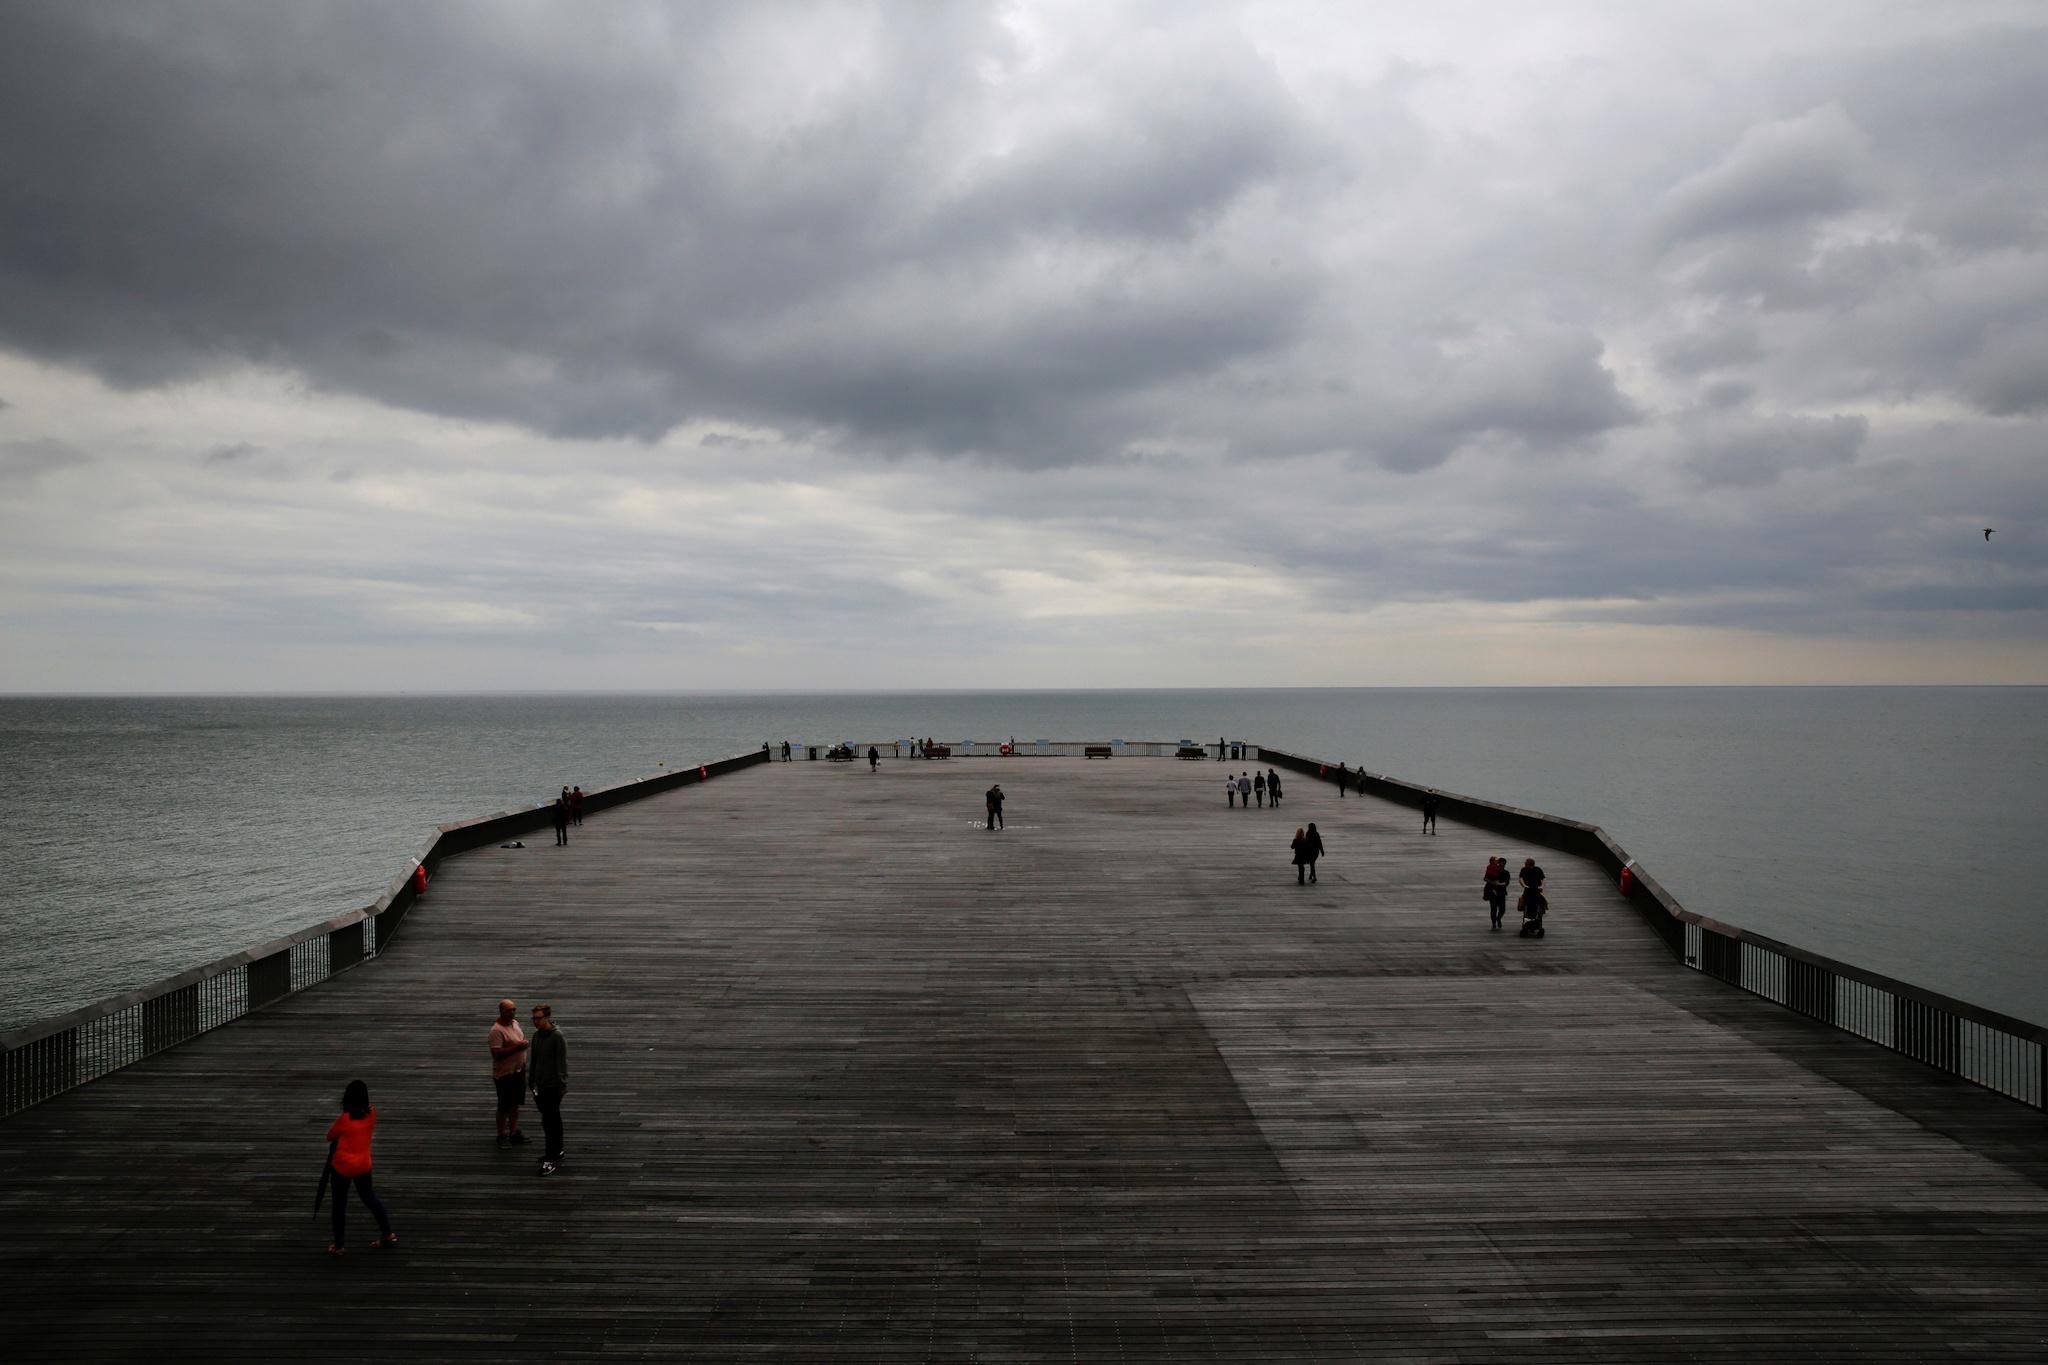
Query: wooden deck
{"type": "Point", "coordinates": [856, 1080]}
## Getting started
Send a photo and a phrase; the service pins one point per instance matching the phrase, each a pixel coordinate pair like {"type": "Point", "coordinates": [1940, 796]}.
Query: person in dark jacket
{"type": "Point", "coordinates": [576, 806]}
{"type": "Point", "coordinates": [349, 1165]}
{"type": "Point", "coordinates": [1300, 846]}
{"type": "Point", "coordinates": [1273, 785]}
{"type": "Point", "coordinates": [547, 1066]}
{"type": "Point", "coordinates": [1534, 904]}
{"type": "Point", "coordinates": [1259, 788]}
{"type": "Point", "coordinates": [562, 818]}
{"type": "Point", "coordinates": [1343, 778]}
{"type": "Point", "coordinates": [874, 758]}
{"type": "Point", "coordinates": [994, 797]}
{"type": "Point", "coordinates": [1430, 802]}
{"type": "Point", "coordinates": [1315, 849]}
{"type": "Point", "coordinates": [1495, 889]}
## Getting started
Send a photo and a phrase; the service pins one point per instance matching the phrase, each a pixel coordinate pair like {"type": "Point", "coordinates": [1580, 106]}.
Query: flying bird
{"type": "Point", "coordinates": [1987, 533]}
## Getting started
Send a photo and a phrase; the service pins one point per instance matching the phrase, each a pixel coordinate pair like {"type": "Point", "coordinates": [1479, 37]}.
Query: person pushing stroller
{"type": "Point", "coordinates": [1533, 904]}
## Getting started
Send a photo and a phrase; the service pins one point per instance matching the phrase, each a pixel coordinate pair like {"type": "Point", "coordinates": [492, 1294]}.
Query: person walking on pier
{"type": "Point", "coordinates": [874, 759]}
{"type": "Point", "coordinates": [1343, 779]}
{"type": "Point", "coordinates": [1222, 748]}
{"type": "Point", "coordinates": [1273, 785]}
{"type": "Point", "coordinates": [1230, 791]}
{"type": "Point", "coordinates": [561, 814]}
{"type": "Point", "coordinates": [785, 751]}
{"type": "Point", "coordinates": [508, 1072]}
{"type": "Point", "coordinates": [576, 806]}
{"type": "Point", "coordinates": [1307, 846]}
{"type": "Point", "coordinates": [1495, 889]}
{"type": "Point", "coordinates": [1429, 806]}
{"type": "Point", "coordinates": [1259, 789]}
{"type": "Point", "coordinates": [1534, 904]}
{"type": "Point", "coordinates": [1244, 790]}
{"type": "Point", "coordinates": [995, 808]}
{"type": "Point", "coordinates": [348, 1164]}
{"type": "Point", "coordinates": [550, 1082]}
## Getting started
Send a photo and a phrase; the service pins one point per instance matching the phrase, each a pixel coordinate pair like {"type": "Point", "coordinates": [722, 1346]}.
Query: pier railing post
{"type": "Point", "coordinates": [270, 979]}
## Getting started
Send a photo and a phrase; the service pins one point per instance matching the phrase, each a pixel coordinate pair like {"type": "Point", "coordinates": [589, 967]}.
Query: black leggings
{"type": "Point", "coordinates": [339, 1212]}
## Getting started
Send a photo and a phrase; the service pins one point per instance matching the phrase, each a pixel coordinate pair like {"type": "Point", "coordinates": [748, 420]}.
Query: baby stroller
{"type": "Point", "coordinates": [1533, 906]}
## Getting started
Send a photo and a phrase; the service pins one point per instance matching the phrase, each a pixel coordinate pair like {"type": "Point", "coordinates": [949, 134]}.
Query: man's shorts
{"type": "Point", "coordinates": [511, 1091]}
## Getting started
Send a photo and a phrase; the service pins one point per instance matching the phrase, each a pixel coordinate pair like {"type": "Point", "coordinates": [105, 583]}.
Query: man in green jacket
{"type": "Point", "coordinates": [547, 1068]}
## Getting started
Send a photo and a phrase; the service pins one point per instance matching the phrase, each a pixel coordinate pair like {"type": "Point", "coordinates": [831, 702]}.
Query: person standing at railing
{"type": "Point", "coordinates": [349, 1165]}
{"type": "Point", "coordinates": [576, 806]}
{"type": "Point", "coordinates": [508, 1072]}
{"type": "Point", "coordinates": [550, 1072]}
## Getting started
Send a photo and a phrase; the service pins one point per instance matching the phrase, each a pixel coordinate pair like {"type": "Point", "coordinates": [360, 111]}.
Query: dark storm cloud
{"type": "Point", "coordinates": [592, 225]}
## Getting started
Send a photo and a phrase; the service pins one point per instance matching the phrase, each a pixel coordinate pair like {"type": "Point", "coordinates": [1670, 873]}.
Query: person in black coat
{"type": "Point", "coordinates": [1314, 845]}
{"type": "Point", "coordinates": [1300, 846]}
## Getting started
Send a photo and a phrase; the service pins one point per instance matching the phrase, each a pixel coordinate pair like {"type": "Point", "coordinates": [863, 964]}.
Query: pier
{"type": "Point", "coordinates": [855, 1079]}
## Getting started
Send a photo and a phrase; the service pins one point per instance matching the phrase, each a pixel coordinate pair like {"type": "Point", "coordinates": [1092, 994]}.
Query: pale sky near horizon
{"type": "Point", "coordinates": [817, 346]}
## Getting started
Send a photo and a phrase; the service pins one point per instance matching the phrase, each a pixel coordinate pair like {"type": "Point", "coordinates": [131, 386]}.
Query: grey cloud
{"type": "Point", "coordinates": [1777, 174]}
{"type": "Point", "coordinates": [2008, 375]}
{"type": "Point", "coordinates": [1715, 346]}
{"type": "Point", "coordinates": [23, 462]}
{"type": "Point", "coordinates": [234, 452]}
{"type": "Point", "coordinates": [1749, 452]}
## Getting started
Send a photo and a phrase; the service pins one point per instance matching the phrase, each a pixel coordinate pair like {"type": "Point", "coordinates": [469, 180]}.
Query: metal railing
{"type": "Point", "coordinates": [1993, 1050]}
{"type": "Point", "coordinates": [1022, 748]}
{"type": "Point", "coordinates": [56, 1055]}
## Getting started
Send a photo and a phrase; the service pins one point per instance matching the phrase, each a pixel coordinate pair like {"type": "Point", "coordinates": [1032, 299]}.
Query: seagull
{"type": "Point", "coordinates": [1987, 533]}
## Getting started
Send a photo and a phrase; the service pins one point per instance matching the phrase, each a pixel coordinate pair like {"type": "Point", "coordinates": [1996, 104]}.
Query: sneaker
{"type": "Point", "coordinates": [547, 1168]}
{"type": "Point", "coordinates": [518, 1139]}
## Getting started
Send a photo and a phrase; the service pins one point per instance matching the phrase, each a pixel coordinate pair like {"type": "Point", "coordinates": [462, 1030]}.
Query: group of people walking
{"type": "Point", "coordinates": [1248, 787]}
{"type": "Point", "coordinates": [1532, 905]}
{"type": "Point", "coordinates": [520, 1065]}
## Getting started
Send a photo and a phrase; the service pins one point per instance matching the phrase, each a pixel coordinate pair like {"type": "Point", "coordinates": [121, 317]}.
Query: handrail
{"type": "Point", "coordinates": [53, 1055]}
{"type": "Point", "coordinates": [1997, 1051]}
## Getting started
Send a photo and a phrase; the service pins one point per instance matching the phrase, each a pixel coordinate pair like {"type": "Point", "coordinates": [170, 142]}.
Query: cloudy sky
{"type": "Point", "coordinates": [519, 345]}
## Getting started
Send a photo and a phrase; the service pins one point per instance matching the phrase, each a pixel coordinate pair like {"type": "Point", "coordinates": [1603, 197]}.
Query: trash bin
{"type": "Point", "coordinates": [811, 752]}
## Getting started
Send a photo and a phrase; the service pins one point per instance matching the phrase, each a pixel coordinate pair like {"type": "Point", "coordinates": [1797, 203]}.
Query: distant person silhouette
{"type": "Point", "coordinates": [874, 758]}
{"type": "Point", "coordinates": [1273, 785]}
{"type": "Point", "coordinates": [1244, 791]}
{"type": "Point", "coordinates": [1343, 778]}
{"type": "Point", "coordinates": [995, 808]}
{"type": "Point", "coordinates": [576, 806]}
{"type": "Point", "coordinates": [1259, 789]}
{"type": "Point", "coordinates": [1429, 808]}
{"type": "Point", "coordinates": [1494, 889]}
{"type": "Point", "coordinates": [1230, 791]}
{"type": "Point", "coordinates": [562, 819]}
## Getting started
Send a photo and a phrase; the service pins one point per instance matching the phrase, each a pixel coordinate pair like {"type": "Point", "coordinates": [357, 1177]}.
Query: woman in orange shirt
{"type": "Point", "coordinates": [350, 1162]}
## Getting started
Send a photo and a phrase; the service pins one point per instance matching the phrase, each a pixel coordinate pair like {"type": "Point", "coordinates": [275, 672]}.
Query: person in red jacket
{"type": "Point", "coordinates": [350, 1162]}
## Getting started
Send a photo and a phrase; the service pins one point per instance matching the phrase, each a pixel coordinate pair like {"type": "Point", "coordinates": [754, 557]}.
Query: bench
{"type": "Point", "coordinates": [1191, 751]}
{"type": "Point", "coordinates": [1095, 751]}
{"type": "Point", "coordinates": [939, 751]}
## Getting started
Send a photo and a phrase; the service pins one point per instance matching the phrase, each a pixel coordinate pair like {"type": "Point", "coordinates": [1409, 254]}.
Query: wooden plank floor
{"type": "Point", "coordinates": [857, 1080]}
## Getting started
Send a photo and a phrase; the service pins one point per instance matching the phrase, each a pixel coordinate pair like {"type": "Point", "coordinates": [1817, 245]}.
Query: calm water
{"type": "Point", "coordinates": [1889, 827]}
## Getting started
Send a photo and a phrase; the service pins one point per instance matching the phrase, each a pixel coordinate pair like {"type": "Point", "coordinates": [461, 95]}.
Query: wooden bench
{"type": "Point", "coordinates": [939, 751]}
{"type": "Point", "coordinates": [1191, 751]}
{"type": "Point", "coordinates": [1096, 751]}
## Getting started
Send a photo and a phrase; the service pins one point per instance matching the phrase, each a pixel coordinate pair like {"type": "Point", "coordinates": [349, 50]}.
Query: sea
{"type": "Point", "coordinates": [1895, 828]}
